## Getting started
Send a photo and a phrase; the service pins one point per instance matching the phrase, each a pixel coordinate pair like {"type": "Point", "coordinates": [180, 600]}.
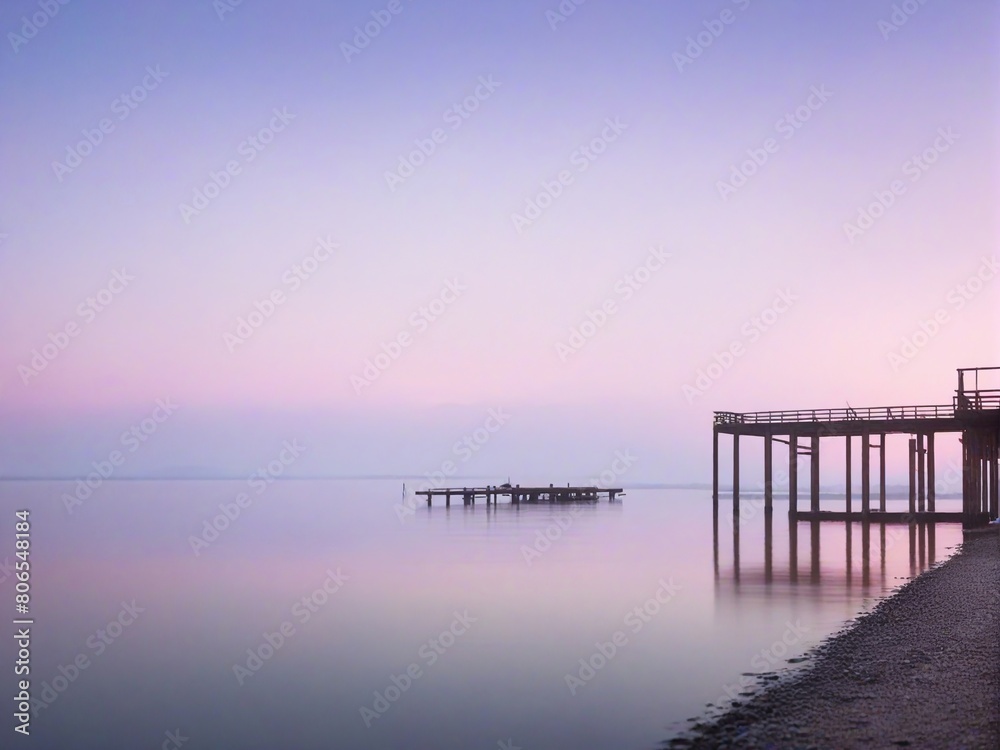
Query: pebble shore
{"type": "Point", "coordinates": [921, 670]}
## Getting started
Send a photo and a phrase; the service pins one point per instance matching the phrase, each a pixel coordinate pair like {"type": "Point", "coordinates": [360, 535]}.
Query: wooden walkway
{"type": "Point", "coordinates": [518, 494]}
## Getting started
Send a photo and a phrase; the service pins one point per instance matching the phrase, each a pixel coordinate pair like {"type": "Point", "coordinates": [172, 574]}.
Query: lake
{"type": "Point", "coordinates": [328, 614]}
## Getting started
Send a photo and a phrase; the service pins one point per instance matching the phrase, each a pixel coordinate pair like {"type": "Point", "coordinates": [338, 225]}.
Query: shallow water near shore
{"type": "Point", "coordinates": [322, 615]}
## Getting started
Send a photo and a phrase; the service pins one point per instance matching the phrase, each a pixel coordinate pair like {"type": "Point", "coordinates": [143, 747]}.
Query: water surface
{"type": "Point", "coordinates": [420, 627]}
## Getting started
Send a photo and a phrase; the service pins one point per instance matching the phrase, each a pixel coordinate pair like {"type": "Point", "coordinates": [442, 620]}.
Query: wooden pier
{"type": "Point", "coordinates": [519, 494]}
{"type": "Point", "coordinates": [974, 412]}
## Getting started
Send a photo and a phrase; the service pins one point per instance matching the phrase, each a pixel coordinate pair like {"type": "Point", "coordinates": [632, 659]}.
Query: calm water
{"type": "Point", "coordinates": [451, 628]}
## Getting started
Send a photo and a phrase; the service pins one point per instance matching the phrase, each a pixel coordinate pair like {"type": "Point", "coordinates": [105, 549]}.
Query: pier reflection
{"type": "Point", "coordinates": [827, 560]}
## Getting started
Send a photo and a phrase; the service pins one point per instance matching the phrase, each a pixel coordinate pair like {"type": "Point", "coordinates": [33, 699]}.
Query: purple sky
{"type": "Point", "coordinates": [569, 217]}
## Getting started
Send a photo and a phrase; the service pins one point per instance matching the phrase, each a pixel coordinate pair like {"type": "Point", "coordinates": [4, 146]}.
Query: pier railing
{"type": "Point", "coordinates": [844, 414]}
{"type": "Point", "coordinates": [977, 400]}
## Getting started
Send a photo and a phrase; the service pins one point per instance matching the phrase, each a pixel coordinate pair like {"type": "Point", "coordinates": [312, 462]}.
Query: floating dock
{"type": "Point", "coordinates": [519, 494]}
{"type": "Point", "coordinates": [974, 412]}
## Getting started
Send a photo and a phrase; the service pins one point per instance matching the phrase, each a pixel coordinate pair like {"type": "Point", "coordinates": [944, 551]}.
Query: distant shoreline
{"type": "Point", "coordinates": [922, 670]}
{"type": "Point", "coordinates": [896, 492]}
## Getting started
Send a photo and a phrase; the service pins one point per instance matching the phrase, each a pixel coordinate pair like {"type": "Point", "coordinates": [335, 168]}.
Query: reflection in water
{"type": "Point", "coordinates": [770, 568]}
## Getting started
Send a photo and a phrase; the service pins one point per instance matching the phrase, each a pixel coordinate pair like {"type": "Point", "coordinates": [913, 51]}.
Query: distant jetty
{"type": "Point", "coordinates": [518, 494]}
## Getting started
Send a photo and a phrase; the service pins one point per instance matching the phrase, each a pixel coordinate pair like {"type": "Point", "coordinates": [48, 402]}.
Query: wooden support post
{"type": "Point", "coordinates": [930, 473]}
{"type": "Point", "coordinates": [866, 483]}
{"type": "Point", "coordinates": [793, 475]}
{"type": "Point", "coordinates": [988, 483]}
{"type": "Point", "coordinates": [814, 556]}
{"type": "Point", "coordinates": [966, 477]}
{"type": "Point", "coordinates": [847, 483]}
{"type": "Point", "coordinates": [814, 474]}
{"type": "Point", "coordinates": [983, 485]}
{"type": "Point", "coordinates": [994, 495]}
{"type": "Point", "coordinates": [913, 476]}
{"type": "Point", "coordinates": [881, 474]}
{"type": "Point", "coordinates": [980, 472]}
{"type": "Point", "coordinates": [984, 477]}
{"type": "Point", "coordinates": [768, 490]}
{"type": "Point", "coordinates": [447, 499]}
{"type": "Point", "coordinates": [736, 475]}
{"type": "Point", "coordinates": [921, 475]}
{"type": "Point", "coordinates": [866, 532]}
{"type": "Point", "coordinates": [931, 554]}
{"type": "Point", "coordinates": [793, 550]}
{"type": "Point", "coordinates": [768, 548]}
{"type": "Point", "coordinates": [736, 553]}
{"type": "Point", "coordinates": [913, 548]}
{"type": "Point", "coordinates": [715, 464]}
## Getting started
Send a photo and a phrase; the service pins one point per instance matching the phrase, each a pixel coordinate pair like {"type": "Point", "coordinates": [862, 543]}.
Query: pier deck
{"type": "Point", "coordinates": [518, 494]}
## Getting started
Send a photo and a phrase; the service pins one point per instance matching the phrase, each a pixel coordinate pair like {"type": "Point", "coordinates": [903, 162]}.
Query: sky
{"type": "Point", "coordinates": [365, 225]}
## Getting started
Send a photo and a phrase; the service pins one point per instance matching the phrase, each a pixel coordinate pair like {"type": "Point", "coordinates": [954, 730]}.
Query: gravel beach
{"type": "Point", "coordinates": [921, 670]}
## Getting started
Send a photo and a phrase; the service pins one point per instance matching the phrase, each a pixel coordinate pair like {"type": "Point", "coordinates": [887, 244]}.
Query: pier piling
{"type": "Point", "coordinates": [814, 474]}
{"type": "Point", "coordinates": [793, 474]}
{"type": "Point", "coordinates": [847, 483]}
{"type": "Point", "coordinates": [768, 489]}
